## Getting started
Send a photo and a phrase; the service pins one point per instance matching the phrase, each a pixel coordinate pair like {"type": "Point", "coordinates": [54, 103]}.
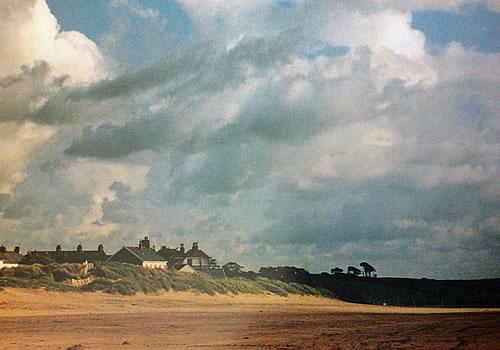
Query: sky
{"type": "Point", "coordinates": [273, 132]}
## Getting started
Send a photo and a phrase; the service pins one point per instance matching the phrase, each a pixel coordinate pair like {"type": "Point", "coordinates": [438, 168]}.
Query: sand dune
{"type": "Point", "coordinates": [37, 319]}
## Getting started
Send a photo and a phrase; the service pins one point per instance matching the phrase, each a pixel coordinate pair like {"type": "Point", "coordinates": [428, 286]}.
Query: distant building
{"type": "Point", "coordinates": [142, 255]}
{"type": "Point", "coordinates": [78, 256]}
{"type": "Point", "coordinates": [200, 261]}
{"type": "Point", "coordinates": [10, 258]}
{"type": "Point", "coordinates": [174, 256]}
{"type": "Point", "coordinates": [197, 258]}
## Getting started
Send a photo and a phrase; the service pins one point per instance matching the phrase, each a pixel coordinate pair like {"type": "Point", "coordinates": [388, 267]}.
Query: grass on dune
{"type": "Point", "coordinates": [129, 279]}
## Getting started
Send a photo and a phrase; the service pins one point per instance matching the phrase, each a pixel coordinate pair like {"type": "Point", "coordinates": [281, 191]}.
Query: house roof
{"type": "Point", "coordinates": [74, 256]}
{"type": "Point", "coordinates": [145, 254]}
{"type": "Point", "coordinates": [10, 257]}
{"type": "Point", "coordinates": [196, 253]}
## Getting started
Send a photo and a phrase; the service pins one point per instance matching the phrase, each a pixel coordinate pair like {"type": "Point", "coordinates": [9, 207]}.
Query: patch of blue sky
{"type": "Point", "coordinates": [473, 26]}
{"type": "Point", "coordinates": [90, 17]}
{"type": "Point", "coordinates": [284, 4]}
{"type": "Point", "coordinates": [95, 17]}
{"type": "Point", "coordinates": [177, 18]}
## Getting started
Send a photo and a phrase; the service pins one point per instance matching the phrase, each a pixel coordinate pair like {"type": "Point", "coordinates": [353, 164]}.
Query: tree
{"type": "Point", "coordinates": [367, 269]}
{"type": "Point", "coordinates": [232, 269]}
{"type": "Point", "coordinates": [336, 270]}
{"type": "Point", "coordinates": [351, 270]}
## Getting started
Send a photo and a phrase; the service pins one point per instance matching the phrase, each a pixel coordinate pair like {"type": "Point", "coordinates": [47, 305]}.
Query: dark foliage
{"type": "Point", "coordinates": [36, 258]}
{"type": "Point", "coordinates": [395, 291]}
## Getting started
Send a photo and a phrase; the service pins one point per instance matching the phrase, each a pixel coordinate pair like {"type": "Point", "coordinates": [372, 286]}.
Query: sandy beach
{"type": "Point", "coordinates": [36, 319]}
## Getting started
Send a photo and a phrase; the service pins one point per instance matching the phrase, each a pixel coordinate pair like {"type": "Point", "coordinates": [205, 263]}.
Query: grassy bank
{"type": "Point", "coordinates": [130, 279]}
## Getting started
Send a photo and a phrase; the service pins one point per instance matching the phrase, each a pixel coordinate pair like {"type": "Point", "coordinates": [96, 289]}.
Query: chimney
{"type": "Point", "coordinates": [100, 248]}
{"type": "Point", "coordinates": [3, 249]}
{"type": "Point", "coordinates": [17, 250]}
{"type": "Point", "coordinates": [58, 248]}
{"type": "Point", "coordinates": [79, 248]}
{"type": "Point", "coordinates": [182, 250]}
{"type": "Point", "coordinates": [144, 243]}
{"type": "Point", "coordinates": [195, 246]}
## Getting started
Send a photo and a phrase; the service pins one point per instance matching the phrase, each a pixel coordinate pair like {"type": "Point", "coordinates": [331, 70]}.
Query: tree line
{"type": "Point", "coordinates": [368, 270]}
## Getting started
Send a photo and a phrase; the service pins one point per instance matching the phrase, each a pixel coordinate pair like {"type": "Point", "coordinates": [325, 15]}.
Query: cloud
{"type": "Point", "coordinates": [29, 32]}
{"type": "Point", "coordinates": [19, 144]}
{"type": "Point", "coordinates": [78, 192]}
{"type": "Point", "coordinates": [230, 20]}
{"type": "Point", "coordinates": [118, 210]}
{"type": "Point", "coordinates": [455, 63]}
{"type": "Point", "coordinates": [24, 93]}
{"type": "Point", "coordinates": [38, 60]}
{"type": "Point", "coordinates": [111, 142]}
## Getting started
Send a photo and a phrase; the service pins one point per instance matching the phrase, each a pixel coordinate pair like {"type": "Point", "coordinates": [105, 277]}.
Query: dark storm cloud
{"type": "Point", "coordinates": [367, 211]}
{"type": "Point", "coordinates": [268, 114]}
{"type": "Point", "coordinates": [229, 169]}
{"type": "Point", "coordinates": [112, 142]}
{"type": "Point", "coordinates": [203, 68]}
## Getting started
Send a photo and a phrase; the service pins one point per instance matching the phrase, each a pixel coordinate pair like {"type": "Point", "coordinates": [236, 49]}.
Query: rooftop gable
{"type": "Point", "coordinates": [197, 253]}
{"type": "Point", "coordinates": [145, 254]}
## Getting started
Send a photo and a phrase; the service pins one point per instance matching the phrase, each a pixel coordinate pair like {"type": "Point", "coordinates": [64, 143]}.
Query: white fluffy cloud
{"type": "Point", "coordinates": [398, 50]}
{"type": "Point", "coordinates": [38, 59]}
{"type": "Point", "coordinates": [29, 33]}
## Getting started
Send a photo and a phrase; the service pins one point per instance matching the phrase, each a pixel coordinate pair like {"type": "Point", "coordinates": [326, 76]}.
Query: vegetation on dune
{"type": "Point", "coordinates": [129, 279]}
{"type": "Point", "coordinates": [38, 276]}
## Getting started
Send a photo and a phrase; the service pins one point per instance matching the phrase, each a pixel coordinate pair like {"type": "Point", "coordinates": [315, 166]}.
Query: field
{"type": "Point", "coordinates": [39, 319]}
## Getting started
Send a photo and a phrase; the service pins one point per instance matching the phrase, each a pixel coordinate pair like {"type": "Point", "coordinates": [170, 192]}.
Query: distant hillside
{"type": "Point", "coordinates": [129, 279]}
{"type": "Point", "coordinates": [394, 291]}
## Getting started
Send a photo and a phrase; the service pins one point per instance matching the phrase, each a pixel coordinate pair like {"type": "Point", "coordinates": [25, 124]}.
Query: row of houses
{"type": "Point", "coordinates": [143, 254]}
{"type": "Point", "coordinates": [10, 258]}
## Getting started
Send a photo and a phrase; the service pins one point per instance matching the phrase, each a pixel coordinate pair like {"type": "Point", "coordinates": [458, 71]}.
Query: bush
{"type": "Point", "coordinates": [62, 272]}
{"type": "Point", "coordinates": [36, 258]}
{"type": "Point", "coordinates": [27, 276]}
